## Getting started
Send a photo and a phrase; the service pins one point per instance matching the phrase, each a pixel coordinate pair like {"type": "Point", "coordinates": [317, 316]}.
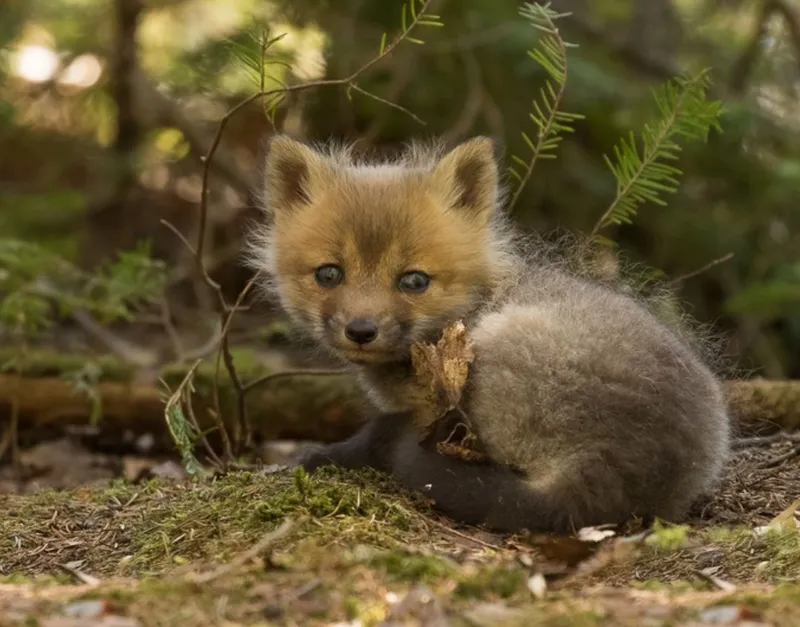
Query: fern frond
{"type": "Point", "coordinates": [645, 174]}
{"type": "Point", "coordinates": [550, 122]}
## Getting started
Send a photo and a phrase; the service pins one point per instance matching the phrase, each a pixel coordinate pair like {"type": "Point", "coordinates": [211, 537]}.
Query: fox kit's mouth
{"type": "Point", "coordinates": [363, 357]}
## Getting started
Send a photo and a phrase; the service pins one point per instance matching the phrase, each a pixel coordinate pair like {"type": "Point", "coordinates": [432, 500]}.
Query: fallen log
{"type": "Point", "coordinates": [298, 407]}
{"type": "Point", "coordinates": [301, 406]}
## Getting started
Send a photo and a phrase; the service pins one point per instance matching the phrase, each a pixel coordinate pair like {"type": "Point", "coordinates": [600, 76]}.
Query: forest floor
{"type": "Point", "coordinates": [278, 547]}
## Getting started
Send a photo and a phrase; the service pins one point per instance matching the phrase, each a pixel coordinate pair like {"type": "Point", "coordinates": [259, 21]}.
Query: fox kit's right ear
{"type": "Point", "coordinates": [292, 172]}
{"type": "Point", "coordinates": [468, 174]}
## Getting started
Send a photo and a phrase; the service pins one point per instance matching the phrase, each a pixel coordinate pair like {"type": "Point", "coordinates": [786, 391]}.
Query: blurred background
{"type": "Point", "coordinates": [107, 108]}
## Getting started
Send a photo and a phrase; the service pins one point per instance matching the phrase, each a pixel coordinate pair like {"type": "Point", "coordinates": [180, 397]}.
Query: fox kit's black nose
{"type": "Point", "coordinates": [361, 331]}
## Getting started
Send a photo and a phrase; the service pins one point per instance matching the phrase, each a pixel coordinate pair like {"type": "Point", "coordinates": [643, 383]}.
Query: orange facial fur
{"type": "Point", "coordinates": [430, 213]}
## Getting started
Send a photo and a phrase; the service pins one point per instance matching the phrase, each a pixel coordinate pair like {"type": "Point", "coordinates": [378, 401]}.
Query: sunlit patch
{"type": "Point", "coordinates": [35, 64]}
{"type": "Point", "coordinates": [83, 72]}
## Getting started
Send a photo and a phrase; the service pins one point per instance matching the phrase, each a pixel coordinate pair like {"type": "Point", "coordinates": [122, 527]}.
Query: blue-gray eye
{"type": "Point", "coordinates": [329, 275]}
{"type": "Point", "coordinates": [414, 282]}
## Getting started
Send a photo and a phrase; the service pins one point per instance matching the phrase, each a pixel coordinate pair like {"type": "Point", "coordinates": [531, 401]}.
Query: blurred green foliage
{"type": "Point", "coordinates": [38, 284]}
{"type": "Point", "coordinates": [738, 193]}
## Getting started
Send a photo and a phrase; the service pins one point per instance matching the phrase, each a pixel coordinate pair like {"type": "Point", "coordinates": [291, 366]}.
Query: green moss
{"type": "Point", "coordinates": [46, 363]}
{"type": "Point", "coordinates": [156, 525]}
{"type": "Point", "coordinates": [667, 538]}
{"type": "Point", "coordinates": [782, 548]}
{"type": "Point", "coordinates": [577, 619]}
{"type": "Point", "coordinates": [277, 333]}
{"type": "Point", "coordinates": [727, 535]}
{"type": "Point", "coordinates": [404, 566]}
{"type": "Point", "coordinates": [500, 581]}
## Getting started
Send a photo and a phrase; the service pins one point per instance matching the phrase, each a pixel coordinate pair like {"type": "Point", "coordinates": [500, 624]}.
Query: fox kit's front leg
{"type": "Point", "coordinates": [370, 447]}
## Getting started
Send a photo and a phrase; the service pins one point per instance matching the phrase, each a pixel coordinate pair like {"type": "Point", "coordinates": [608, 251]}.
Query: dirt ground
{"type": "Point", "coordinates": [133, 542]}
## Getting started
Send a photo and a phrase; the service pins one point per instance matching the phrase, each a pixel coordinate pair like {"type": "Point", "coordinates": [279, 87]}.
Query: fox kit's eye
{"type": "Point", "coordinates": [329, 275]}
{"type": "Point", "coordinates": [413, 282]}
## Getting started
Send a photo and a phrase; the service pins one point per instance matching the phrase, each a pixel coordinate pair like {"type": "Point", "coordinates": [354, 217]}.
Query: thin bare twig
{"type": "Point", "coordinates": [248, 387]}
{"type": "Point", "coordinates": [80, 575]}
{"type": "Point", "coordinates": [179, 235]}
{"type": "Point", "coordinates": [765, 440]}
{"type": "Point", "coordinates": [172, 332]}
{"type": "Point", "coordinates": [715, 262]}
{"type": "Point", "coordinates": [262, 545]}
{"type": "Point", "coordinates": [244, 430]}
{"type": "Point", "coordinates": [779, 459]}
{"type": "Point", "coordinates": [212, 455]}
{"type": "Point", "coordinates": [455, 532]}
{"type": "Point", "coordinates": [388, 103]}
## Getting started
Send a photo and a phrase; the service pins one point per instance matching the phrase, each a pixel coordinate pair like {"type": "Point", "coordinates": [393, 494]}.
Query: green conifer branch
{"type": "Point", "coordinates": [551, 55]}
{"type": "Point", "coordinates": [644, 175]}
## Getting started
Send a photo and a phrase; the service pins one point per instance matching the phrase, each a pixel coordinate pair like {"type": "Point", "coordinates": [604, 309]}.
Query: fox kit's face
{"type": "Point", "coordinates": [370, 259]}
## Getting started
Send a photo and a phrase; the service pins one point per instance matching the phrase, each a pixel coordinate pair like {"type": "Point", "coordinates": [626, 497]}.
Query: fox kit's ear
{"type": "Point", "coordinates": [468, 175]}
{"type": "Point", "coordinates": [293, 170]}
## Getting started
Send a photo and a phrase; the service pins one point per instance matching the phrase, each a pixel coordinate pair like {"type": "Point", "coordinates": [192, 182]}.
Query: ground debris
{"type": "Point", "coordinates": [364, 552]}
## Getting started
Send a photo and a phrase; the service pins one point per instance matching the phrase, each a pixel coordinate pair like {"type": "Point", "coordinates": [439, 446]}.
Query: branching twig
{"type": "Point", "coordinates": [349, 81]}
{"type": "Point", "coordinates": [419, 16]}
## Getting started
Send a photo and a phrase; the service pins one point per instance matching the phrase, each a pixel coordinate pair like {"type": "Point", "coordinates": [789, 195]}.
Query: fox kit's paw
{"type": "Point", "coordinates": [312, 457]}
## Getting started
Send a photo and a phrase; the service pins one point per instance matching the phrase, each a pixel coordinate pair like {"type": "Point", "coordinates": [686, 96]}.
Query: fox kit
{"type": "Point", "coordinates": [591, 409]}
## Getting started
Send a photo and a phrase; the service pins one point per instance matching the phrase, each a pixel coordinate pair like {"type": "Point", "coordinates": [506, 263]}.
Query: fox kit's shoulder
{"type": "Point", "coordinates": [369, 256]}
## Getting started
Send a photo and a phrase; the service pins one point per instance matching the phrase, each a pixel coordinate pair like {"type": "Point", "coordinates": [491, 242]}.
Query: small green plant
{"type": "Point", "coordinates": [182, 424]}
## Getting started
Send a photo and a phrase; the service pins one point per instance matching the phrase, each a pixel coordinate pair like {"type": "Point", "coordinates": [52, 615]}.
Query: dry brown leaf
{"type": "Point", "coordinates": [442, 368]}
{"type": "Point", "coordinates": [461, 452]}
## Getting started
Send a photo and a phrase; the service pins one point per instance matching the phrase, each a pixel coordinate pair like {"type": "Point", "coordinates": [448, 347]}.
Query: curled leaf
{"type": "Point", "coordinates": [442, 368]}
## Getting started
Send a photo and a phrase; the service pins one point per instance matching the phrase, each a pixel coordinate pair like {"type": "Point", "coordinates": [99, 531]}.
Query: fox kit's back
{"type": "Point", "coordinates": [591, 409]}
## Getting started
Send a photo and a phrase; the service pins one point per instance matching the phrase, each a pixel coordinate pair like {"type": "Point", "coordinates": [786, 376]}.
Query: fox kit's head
{"type": "Point", "coordinates": [371, 257]}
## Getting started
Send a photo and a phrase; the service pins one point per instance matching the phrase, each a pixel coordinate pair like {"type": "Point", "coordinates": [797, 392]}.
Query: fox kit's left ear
{"type": "Point", "coordinates": [468, 175]}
